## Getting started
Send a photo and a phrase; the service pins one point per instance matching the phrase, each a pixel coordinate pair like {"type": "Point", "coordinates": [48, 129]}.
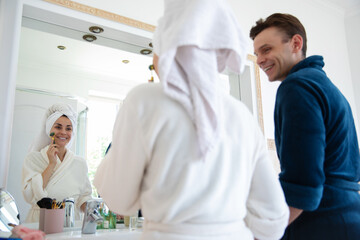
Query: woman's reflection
{"type": "Point", "coordinates": [50, 169]}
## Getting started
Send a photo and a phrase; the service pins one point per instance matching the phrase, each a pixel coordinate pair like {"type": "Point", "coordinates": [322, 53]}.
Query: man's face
{"type": "Point", "coordinates": [275, 55]}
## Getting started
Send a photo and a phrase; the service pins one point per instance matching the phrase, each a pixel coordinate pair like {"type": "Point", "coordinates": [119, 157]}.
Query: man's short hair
{"type": "Point", "coordinates": [286, 23]}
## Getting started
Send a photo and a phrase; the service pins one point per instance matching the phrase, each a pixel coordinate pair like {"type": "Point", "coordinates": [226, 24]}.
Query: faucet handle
{"type": "Point", "coordinates": [95, 216]}
{"type": "Point", "coordinates": [93, 204]}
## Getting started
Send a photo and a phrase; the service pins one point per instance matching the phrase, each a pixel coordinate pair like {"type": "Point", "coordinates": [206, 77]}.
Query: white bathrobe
{"type": "Point", "coordinates": [69, 179]}
{"type": "Point", "coordinates": [154, 165]}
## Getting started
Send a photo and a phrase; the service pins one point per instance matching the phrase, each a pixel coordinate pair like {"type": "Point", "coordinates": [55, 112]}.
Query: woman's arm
{"type": "Point", "coordinates": [51, 153]}
{"type": "Point", "coordinates": [47, 174]}
{"type": "Point", "coordinates": [268, 212]}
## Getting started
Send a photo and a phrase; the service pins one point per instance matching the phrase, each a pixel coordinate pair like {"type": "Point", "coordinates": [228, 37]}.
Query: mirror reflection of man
{"type": "Point", "coordinates": [315, 135]}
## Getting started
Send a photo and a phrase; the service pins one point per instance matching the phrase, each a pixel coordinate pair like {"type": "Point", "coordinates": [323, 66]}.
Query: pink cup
{"type": "Point", "coordinates": [53, 220]}
{"type": "Point", "coordinates": [41, 219]}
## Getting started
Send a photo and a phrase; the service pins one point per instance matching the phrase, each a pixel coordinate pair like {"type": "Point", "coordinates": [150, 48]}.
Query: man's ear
{"type": "Point", "coordinates": [297, 43]}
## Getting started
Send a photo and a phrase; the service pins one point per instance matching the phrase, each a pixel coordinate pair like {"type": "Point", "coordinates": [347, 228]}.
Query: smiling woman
{"type": "Point", "coordinates": [51, 170]}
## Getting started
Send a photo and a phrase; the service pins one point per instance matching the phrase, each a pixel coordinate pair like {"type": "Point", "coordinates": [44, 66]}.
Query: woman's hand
{"type": "Point", "coordinates": [51, 153]}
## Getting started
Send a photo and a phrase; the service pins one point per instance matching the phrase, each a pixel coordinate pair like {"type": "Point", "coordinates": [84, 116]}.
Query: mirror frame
{"type": "Point", "coordinates": [103, 14]}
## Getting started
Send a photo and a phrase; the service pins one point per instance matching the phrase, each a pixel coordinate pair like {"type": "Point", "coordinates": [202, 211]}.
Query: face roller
{"type": "Point", "coordinates": [52, 137]}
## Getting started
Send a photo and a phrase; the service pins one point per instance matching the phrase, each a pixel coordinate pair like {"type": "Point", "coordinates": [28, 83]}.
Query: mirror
{"type": "Point", "coordinates": [9, 213]}
{"type": "Point", "coordinates": [93, 78]}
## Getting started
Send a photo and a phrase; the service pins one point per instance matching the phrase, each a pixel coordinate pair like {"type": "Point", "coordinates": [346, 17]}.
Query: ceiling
{"type": "Point", "coordinates": [42, 47]}
{"type": "Point", "coordinates": [106, 61]}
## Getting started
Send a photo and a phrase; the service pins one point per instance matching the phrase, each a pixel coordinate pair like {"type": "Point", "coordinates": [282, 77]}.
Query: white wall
{"type": "Point", "coordinates": [352, 24]}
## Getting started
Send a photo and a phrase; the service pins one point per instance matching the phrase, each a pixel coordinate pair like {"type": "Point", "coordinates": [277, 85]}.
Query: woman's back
{"type": "Point", "coordinates": [235, 185]}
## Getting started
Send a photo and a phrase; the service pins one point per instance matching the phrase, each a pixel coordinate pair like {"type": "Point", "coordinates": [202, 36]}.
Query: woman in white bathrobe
{"type": "Point", "coordinates": [51, 169]}
{"type": "Point", "coordinates": [189, 155]}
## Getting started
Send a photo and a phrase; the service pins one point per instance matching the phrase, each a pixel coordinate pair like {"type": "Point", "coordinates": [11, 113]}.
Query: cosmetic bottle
{"type": "Point", "coordinates": [112, 220]}
{"type": "Point", "coordinates": [100, 224]}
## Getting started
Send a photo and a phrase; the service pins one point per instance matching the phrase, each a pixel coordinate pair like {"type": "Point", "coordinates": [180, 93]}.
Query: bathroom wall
{"type": "Point", "coordinates": [352, 25]}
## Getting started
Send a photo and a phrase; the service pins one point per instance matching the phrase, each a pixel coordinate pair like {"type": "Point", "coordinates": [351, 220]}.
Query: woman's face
{"type": "Point", "coordinates": [63, 130]}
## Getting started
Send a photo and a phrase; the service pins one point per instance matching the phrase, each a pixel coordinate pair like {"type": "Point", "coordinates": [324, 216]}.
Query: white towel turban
{"type": "Point", "coordinates": [52, 114]}
{"type": "Point", "coordinates": [195, 40]}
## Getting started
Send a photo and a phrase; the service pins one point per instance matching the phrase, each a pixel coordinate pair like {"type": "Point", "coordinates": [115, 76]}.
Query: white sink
{"type": "Point", "coordinates": [102, 234]}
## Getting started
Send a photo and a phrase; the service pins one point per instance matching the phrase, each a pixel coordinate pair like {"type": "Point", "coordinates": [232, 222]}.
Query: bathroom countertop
{"type": "Point", "coordinates": [120, 233]}
{"type": "Point", "coordinates": [108, 234]}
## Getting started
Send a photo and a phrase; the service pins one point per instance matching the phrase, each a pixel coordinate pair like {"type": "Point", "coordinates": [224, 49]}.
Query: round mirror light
{"type": "Point", "coordinates": [89, 38]}
{"type": "Point", "coordinates": [96, 29]}
{"type": "Point", "coordinates": [146, 51]}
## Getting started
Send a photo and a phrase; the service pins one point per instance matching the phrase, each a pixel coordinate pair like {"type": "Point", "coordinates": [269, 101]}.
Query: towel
{"type": "Point", "coordinates": [195, 40]}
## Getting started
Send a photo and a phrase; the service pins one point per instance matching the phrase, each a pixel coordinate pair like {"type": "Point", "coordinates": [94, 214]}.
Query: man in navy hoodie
{"type": "Point", "coordinates": [315, 135]}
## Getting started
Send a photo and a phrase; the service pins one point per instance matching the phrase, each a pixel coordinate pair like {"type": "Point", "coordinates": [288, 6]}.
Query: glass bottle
{"type": "Point", "coordinates": [100, 224]}
{"type": "Point", "coordinates": [106, 216]}
{"type": "Point", "coordinates": [126, 221]}
{"type": "Point", "coordinates": [133, 221]}
{"type": "Point", "coordinates": [112, 220]}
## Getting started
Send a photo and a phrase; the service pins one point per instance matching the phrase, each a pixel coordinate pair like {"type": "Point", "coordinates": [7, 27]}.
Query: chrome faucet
{"type": "Point", "coordinates": [92, 216]}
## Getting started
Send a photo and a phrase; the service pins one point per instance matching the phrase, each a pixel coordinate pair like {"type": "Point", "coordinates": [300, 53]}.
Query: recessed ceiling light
{"type": "Point", "coordinates": [61, 47]}
{"type": "Point", "coordinates": [125, 61]}
{"type": "Point", "coordinates": [150, 45]}
{"type": "Point", "coordinates": [96, 29]}
{"type": "Point", "coordinates": [89, 38]}
{"type": "Point", "coordinates": [146, 51]}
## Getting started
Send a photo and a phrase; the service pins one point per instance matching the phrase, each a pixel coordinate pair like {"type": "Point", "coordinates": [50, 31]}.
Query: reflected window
{"type": "Point", "coordinates": [101, 118]}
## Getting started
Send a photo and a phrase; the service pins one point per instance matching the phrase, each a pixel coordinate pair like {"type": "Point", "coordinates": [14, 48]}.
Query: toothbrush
{"type": "Point", "coordinates": [52, 137]}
